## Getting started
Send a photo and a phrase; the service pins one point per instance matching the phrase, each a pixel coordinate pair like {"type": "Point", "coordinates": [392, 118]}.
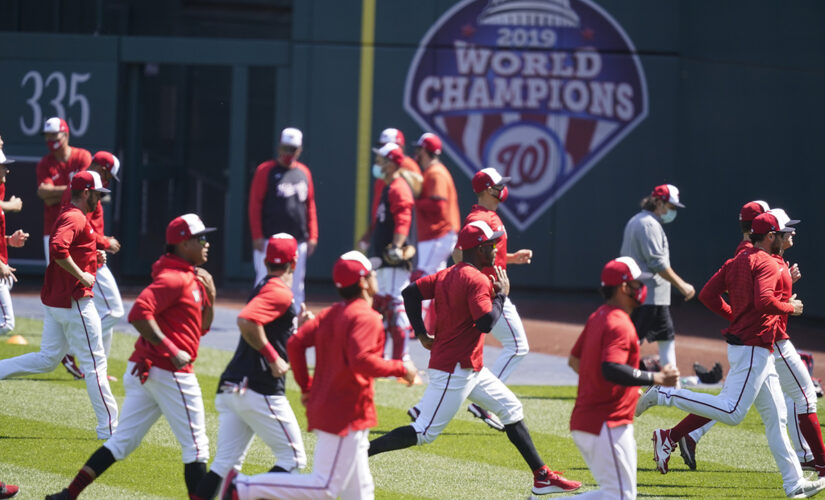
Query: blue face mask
{"type": "Point", "coordinates": [668, 216]}
{"type": "Point", "coordinates": [376, 171]}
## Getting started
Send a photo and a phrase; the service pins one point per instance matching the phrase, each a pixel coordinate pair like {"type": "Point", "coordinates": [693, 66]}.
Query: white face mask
{"type": "Point", "coordinates": [377, 172]}
{"type": "Point", "coordinates": [668, 216]}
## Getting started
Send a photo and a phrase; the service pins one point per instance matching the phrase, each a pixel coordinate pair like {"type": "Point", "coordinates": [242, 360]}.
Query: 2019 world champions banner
{"type": "Point", "coordinates": [538, 89]}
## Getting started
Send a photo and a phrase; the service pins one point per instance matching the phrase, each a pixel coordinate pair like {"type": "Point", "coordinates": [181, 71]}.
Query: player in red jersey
{"type": "Point", "coordinates": [468, 306]}
{"type": "Point", "coordinates": [349, 345]}
{"type": "Point", "coordinates": [606, 356]}
{"type": "Point", "coordinates": [16, 239]}
{"type": "Point", "coordinates": [71, 321]}
{"type": "Point", "coordinates": [171, 315]}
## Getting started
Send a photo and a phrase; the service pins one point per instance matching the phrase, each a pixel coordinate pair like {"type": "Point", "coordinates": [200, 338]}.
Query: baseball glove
{"type": "Point", "coordinates": [395, 256]}
{"type": "Point", "coordinates": [706, 376]}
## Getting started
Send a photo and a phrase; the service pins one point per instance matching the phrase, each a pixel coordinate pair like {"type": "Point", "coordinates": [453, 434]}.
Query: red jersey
{"type": "Point", "coordinates": [72, 236]}
{"type": "Point", "coordinates": [4, 249]}
{"type": "Point", "coordinates": [494, 221]}
{"type": "Point", "coordinates": [785, 290]}
{"type": "Point", "coordinates": [95, 219]}
{"type": "Point", "coordinates": [742, 246]}
{"type": "Point", "coordinates": [282, 200]}
{"type": "Point", "coordinates": [754, 282]}
{"type": "Point", "coordinates": [175, 300]}
{"type": "Point", "coordinates": [437, 205]}
{"type": "Point", "coordinates": [608, 336]}
{"type": "Point", "coordinates": [407, 164]}
{"type": "Point", "coordinates": [462, 294]}
{"type": "Point", "coordinates": [56, 173]}
{"type": "Point", "coordinates": [349, 348]}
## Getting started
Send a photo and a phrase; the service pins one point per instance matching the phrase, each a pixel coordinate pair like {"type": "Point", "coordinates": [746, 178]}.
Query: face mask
{"type": "Point", "coordinates": [668, 216]}
{"type": "Point", "coordinates": [502, 195]}
{"type": "Point", "coordinates": [53, 145]}
{"type": "Point", "coordinates": [377, 172]}
{"type": "Point", "coordinates": [640, 294]}
{"type": "Point", "coordinates": [286, 160]}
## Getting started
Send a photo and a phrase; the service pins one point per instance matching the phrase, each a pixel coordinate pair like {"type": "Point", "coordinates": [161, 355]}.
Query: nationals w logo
{"type": "Point", "coordinates": [540, 90]}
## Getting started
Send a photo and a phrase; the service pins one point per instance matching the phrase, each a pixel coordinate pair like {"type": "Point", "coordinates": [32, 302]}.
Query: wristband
{"type": "Point", "coordinates": [168, 346]}
{"type": "Point", "coordinates": [268, 352]}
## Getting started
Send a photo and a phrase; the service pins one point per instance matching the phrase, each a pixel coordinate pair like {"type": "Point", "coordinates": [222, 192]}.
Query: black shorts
{"type": "Point", "coordinates": [653, 323]}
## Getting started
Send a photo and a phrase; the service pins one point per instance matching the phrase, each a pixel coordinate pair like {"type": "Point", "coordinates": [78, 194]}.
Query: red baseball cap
{"type": "Point", "coordinates": [184, 227]}
{"type": "Point", "coordinates": [54, 125]}
{"type": "Point", "coordinates": [281, 248]}
{"type": "Point", "coordinates": [86, 179]}
{"type": "Point", "coordinates": [109, 161]}
{"type": "Point", "coordinates": [751, 209]}
{"type": "Point", "coordinates": [475, 233]}
{"type": "Point", "coordinates": [488, 177]}
{"type": "Point", "coordinates": [349, 268]}
{"type": "Point", "coordinates": [621, 270]}
{"type": "Point", "coordinates": [392, 135]}
{"type": "Point", "coordinates": [774, 219]}
{"type": "Point", "coordinates": [430, 142]}
{"type": "Point", "coordinates": [390, 151]}
{"type": "Point", "coordinates": [668, 193]}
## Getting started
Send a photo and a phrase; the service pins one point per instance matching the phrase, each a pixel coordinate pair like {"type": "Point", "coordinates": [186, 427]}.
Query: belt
{"type": "Point", "coordinates": [230, 387]}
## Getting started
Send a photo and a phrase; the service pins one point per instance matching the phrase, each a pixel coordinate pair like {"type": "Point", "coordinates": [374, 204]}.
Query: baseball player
{"type": "Point", "coordinates": [756, 286]}
{"type": "Point", "coordinates": [794, 378]}
{"type": "Point", "coordinates": [393, 236]}
{"type": "Point", "coordinates": [251, 396]}
{"type": "Point", "coordinates": [605, 356]}
{"type": "Point", "coordinates": [468, 306]}
{"type": "Point", "coordinates": [409, 168]}
{"type": "Point", "coordinates": [645, 240]}
{"type": "Point", "coordinates": [282, 200]}
{"type": "Point", "coordinates": [71, 321]}
{"type": "Point", "coordinates": [349, 343]}
{"type": "Point", "coordinates": [16, 239]}
{"type": "Point", "coordinates": [171, 315]}
{"type": "Point", "coordinates": [107, 298]}
{"type": "Point", "coordinates": [491, 189]}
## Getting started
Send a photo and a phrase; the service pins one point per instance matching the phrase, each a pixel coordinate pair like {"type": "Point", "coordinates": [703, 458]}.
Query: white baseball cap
{"type": "Point", "coordinates": [55, 124]}
{"type": "Point", "coordinates": [392, 135]}
{"type": "Point", "coordinates": [292, 137]}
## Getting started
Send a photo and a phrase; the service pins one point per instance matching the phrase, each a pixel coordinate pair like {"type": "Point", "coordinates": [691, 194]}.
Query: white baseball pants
{"type": "Point", "coordinates": [108, 303]}
{"type": "Point", "coordinates": [752, 379]}
{"type": "Point", "coordinates": [391, 281]}
{"type": "Point", "coordinates": [46, 247]}
{"type": "Point", "coordinates": [6, 308]}
{"type": "Point", "coordinates": [510, 332]}
{"type": "Point", "coordinates": [177, 396]}
{"type": "Point", "coordinates": [433, 254]}
{"type": "Point", "coordinates": [340, 469]}
{"type": "Point", "coordinates": [298, 276]}
{"type": "Point", "coordinates": [75, 329]}
{"type": "Point", "coordinates": [446, 393]}
{"type": "Point", "coordinates": [242, 416]}
{"type": "Point", "coordinates": [611, 458]}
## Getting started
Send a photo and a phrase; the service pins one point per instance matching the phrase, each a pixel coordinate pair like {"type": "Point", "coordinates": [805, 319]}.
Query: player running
{"type": "Point", "coordinates": [468, 306]}
{"type": "Point", "coordinates": [16, 239]}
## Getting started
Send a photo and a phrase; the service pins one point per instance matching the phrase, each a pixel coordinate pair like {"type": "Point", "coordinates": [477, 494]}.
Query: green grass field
{"type": "Point", "coordinates": [46, 434]}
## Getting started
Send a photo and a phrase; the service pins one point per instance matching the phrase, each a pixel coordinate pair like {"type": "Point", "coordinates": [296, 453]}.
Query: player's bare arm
{"type": "Point", "coordinates": [254, 335]}
{"type": "Point", "coordinates": [523, 256]}
{"type": "Point", "coordinates": [69, 265]}
{"type": "Point", "coordinates": [502, 282]}
{"type": "Point", "coordinates": [6, 272]}
{"type": "Point", "coordinates": [797, 305]}
{"type": "Point", "coordinates": [685, 288]}
{"type": "Point", "coordinates": [17, 239]}
{"type": "Point", "coordinates": [114, 245]}
{"type": "Point", "coordinates": [305, 315]}
{"type": "Point", "coordinates": [796, 274]}
{"type": "Point", "coordinates": [13, 204]}
{"type": "Point", "coordinates": [573, 363]}
{"type": "Point", "coordinates": [149, 330]}
{"type": "Point", "coordinates": [50, 194]}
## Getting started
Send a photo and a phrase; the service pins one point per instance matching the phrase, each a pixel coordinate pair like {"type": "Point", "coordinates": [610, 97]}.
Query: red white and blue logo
{"type": "Point", "coordinates": [540, 90]}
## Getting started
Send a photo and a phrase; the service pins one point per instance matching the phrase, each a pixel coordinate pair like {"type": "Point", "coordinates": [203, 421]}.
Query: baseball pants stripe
{"type": "Point", "coordinates": [176, 396]}
{"type": "Point", "coordinates": [298, 291]}
{"type": "Point", "coordinates": [509, 330]}
{"type": "Point", "coordinates": [446, 393]}
{"type": "Point", "coordinates": [611, 458]}
{"type": "Point", "coordinates": [340, 470]}
{"type": "Point", "coordinates": [92, 333]}
{"type": "Point", "coordinates": [800, 395]}
{"type": "Point", "coordinates": [6, 308]}
{"type": "Point", "coordinates": [242, 416]}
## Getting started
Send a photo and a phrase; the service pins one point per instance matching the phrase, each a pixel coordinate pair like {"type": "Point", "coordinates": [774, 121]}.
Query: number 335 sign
{"type": "Point", "coordinates": [84, 94]}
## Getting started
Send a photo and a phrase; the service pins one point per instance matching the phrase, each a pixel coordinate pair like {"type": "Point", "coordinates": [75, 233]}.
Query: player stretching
{"type": "Point", "coordinates": [468, 306]}
{"type": "Point", "coordinates": [606, 356]}
{"type": "Point", "coordinates": [757, 300]}
{"type": "Point", "coordinates": [16, 239]}
{"type": "Point", "coordinates": [71, 322]}
{"type": "Point", "coordinates": [251, 396]}
{"type": "Point", "coordinates": [171, 315]}
{"type": "Point", "coordinates": [349, 344]}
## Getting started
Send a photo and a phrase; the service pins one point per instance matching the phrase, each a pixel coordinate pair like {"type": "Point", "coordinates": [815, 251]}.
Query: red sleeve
{"type": "Point", "coordinates": [257, 192]}
{"type": "Point", "coordinates": [365, 350]}
{"type": "Point", "coordinates": [616, 342]}
{"type": "Point", "coordinates": [401, 204]}
{"type": "Point", "coordinates": [64, 233]}
{"type": "Point", "coordinates": [163, 292]}
{"type": "Point", "coordinates": [312, 216]}
{"type": "Point", "coordinates": [764, 290]}
{"type": "Point", "coordinates": [431, 208]}
{"type": "Point", "coordinates": [426, 285]}
{"type": "Point", "coordinates": [296, 348]}
{"type": "Point", "coordinates": [42, 172]}
{"type": "Point", "coordinates": [711, 294]}
{"type": "Point", "coordinates": [479, 295]}
{"type": "Point", "coordinates": [270, 304]}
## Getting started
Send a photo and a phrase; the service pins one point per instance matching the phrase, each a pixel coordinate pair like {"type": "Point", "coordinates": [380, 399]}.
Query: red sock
{"type": "Point", "coordinates": [687, 425]}
{"type": "Point", "coordinates": [81, 480]}
{"type": "Point", "coordinates": [809, 425]}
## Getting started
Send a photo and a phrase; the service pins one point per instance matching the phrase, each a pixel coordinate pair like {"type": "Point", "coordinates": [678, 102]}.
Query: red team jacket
{"type": "Point", "coordinates": [608, 336]}
{"type": "Point", "coordinates": [494, 221]}
{"type": "Point", "coordinates": [437, 205]}
{"type": "Point", "coordinates": [462, 295]}
{"type": "Point", "coordinates": [56, 173]}
{"type": "Point", "coordinates": [95, 219]}
{"type": "Point", "coordinates": [349, 348]}
{"type": "Point", "coordinates": [72, 235]}
{"type": "Point", "coordinates": [175, 299]}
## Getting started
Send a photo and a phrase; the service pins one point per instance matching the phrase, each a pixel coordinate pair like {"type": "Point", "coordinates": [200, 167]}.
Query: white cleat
{"type": "Point", "coordinates": [648, 399]}
{"type": "Point", "coordinates": [808, 489]}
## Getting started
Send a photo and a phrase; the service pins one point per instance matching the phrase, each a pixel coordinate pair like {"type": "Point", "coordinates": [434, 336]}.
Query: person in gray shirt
{"type": "Point", "coordinates": [645, 241]}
